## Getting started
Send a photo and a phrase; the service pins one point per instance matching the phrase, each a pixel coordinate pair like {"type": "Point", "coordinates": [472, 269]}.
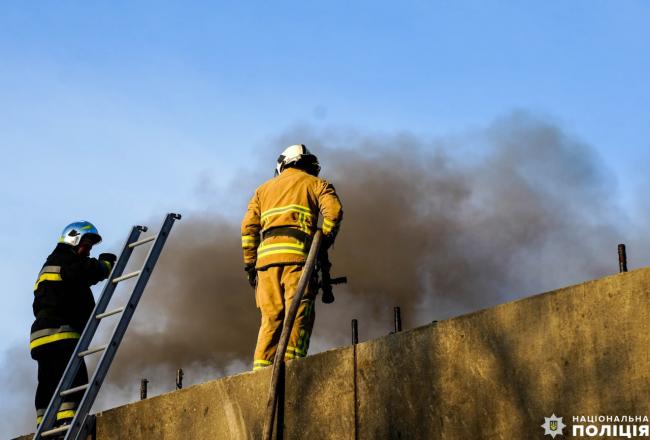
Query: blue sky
{"type": "Point", "coordinates": [118, 111]}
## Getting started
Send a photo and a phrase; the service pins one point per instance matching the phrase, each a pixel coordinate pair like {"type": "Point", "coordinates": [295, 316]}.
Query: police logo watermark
{"type": "Point", "coordinates": [553, 426]}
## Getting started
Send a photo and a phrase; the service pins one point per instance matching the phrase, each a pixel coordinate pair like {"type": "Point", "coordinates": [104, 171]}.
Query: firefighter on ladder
{"type": "Point", "coordinates": [62, 305]}
{"type": "Point", "coordinates": [276, 235]}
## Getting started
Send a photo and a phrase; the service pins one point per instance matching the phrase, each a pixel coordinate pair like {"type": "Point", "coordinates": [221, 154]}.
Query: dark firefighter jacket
{"type": "Point", "coordinates": [289, 203]}
{"type": "Point", "coordinates": [63, 300]}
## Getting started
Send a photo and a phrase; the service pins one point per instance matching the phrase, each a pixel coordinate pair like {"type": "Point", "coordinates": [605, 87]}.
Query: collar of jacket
{"type": "Point", "coordinates": [292, 170]}
{"type": "Point", "coordinates": [65, 248]}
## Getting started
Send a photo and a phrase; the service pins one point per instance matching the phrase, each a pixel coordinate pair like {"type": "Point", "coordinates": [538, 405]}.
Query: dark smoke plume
{"type": "Point", "coordinates": [427, 226]}
{"type": "Point", "coordinates": [439, 228]}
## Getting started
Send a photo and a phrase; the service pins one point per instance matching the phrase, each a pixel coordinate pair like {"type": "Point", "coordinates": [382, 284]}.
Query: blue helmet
{"type": "Point", "coordinates": [74, 232]}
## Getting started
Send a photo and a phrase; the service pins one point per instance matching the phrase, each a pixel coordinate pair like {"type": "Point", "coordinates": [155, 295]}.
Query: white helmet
{"type": "Point", "coordinates": [294, 154]}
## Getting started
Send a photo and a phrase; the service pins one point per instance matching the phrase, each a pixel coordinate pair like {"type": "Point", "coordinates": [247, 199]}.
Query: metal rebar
{"type": "Point", "coordinates": [143, 389]}
{"type": "Point", "coordinates": [622, 258]}
{"type": "Point", "coordinates": [355, 376]}
{"type": "Point", "coordinates": [179, 379]}
{"type": "Point", "coordinates": [398, 319]}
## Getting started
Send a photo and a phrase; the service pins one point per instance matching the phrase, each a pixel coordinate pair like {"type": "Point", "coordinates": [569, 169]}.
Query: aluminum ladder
{"type": "Point", "coordinates": [80, 426]}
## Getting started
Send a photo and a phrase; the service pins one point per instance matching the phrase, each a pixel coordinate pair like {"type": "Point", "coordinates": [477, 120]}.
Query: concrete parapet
{"type": "Point", "coordinates": [578, 351]}
{"type": "Point", "coordinates": [497, 373]}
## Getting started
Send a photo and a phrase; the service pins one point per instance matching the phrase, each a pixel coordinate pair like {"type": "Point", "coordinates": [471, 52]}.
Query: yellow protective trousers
{"type": "Point", "coordinates": [276, 288]}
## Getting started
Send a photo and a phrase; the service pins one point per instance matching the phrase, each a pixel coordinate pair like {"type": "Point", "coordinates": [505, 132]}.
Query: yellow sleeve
{"type": "Point", "coordinates": [250, 231]}
{"type": "Point", "coordinates": [331, 209]}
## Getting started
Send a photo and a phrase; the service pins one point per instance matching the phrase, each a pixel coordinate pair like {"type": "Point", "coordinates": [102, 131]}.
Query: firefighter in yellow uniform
{"type": "Point", "coordinates": [277, 231]}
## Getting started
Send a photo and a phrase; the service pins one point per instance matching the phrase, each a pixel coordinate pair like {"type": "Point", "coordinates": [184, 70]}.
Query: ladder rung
{"type": "Point", "coordinates": [113, 312]}
{"type": "Point", "coordinates": [127, 276]}
{"type": "Point", "coordinates": [55, 431]}
{"type": "Point", "coordinates": [143, 241]}
{"type": "Point", "coordinates": [73, 390]}
{"type": "Point", "coordinates": [88, 392]}
{"type": "Point", "coordinates": [92, 350]}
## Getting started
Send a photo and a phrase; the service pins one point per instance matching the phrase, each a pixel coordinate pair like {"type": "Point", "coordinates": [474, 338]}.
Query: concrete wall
{"type": "Point", "coordinates": [496, 374]}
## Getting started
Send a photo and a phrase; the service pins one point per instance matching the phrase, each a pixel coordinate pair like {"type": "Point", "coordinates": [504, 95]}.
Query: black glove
{"type": "Point", "coordinates": [251, 274]}
{"type": "Point", "coordinates": [111, 258]}
{"type": "Point", "coordinates": [326, 243]}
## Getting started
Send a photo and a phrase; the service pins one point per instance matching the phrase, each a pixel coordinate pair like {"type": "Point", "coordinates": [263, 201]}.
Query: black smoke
{"type": "Point", "coordinates": [438, 227]}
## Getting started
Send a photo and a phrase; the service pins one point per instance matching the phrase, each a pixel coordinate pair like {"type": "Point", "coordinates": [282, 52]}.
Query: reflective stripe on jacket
{"type": "Point", "coordinates": [291, 200]}
{"type": "Point", "coordinates": [48, 273]}
{"type": "Point", "coordinates": [48, 335]}
{"type": "Point", "coordinates": [63, 300]}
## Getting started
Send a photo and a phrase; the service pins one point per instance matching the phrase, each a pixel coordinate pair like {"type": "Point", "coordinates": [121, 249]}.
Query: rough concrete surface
{"type": "Point", "coordinates": [233, 407]}
{"type": "Point", "coordinates": [494, 374]}
{"type": "Point", "coordinates": [497, 373]}
{"type": "Point", "coordinates": [226, 408]}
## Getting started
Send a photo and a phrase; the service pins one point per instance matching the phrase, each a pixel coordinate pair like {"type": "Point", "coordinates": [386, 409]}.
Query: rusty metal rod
{"type": "Point", "coordinates": [398, 319]}
{"type": "Point", "coordinates": [355, 375]}
{"type": "Point", "coordinates": [290, 317]}
{"type": "Point", "coordinates": [622, 258]}
{"type": "Point", "coordinates": [143, 389]}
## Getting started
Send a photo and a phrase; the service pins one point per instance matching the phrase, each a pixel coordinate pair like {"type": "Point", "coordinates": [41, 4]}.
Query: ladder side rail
{"type": "Point", "coordinates": [108, 354]}
{"type": "Point", "coordinates": [74, 363]}
{"type": "Point", "coordinates": [106, 296]}
{"type": "Point", "coordinates": [88, 428]}
{"type": "Point", "coordinates": [120, 265]}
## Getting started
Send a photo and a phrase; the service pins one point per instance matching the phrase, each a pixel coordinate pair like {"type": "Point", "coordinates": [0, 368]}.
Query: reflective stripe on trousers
{"type": "Point", "coordinates": [261, 363]}
{"type": "Point", "coordinates": [275, 291]}
{"type": "Point", "coordinates": [66, 411]}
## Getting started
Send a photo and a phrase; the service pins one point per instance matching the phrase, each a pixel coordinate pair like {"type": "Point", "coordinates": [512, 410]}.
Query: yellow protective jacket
{"type": "Point", "coordinates": [291, 200]}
